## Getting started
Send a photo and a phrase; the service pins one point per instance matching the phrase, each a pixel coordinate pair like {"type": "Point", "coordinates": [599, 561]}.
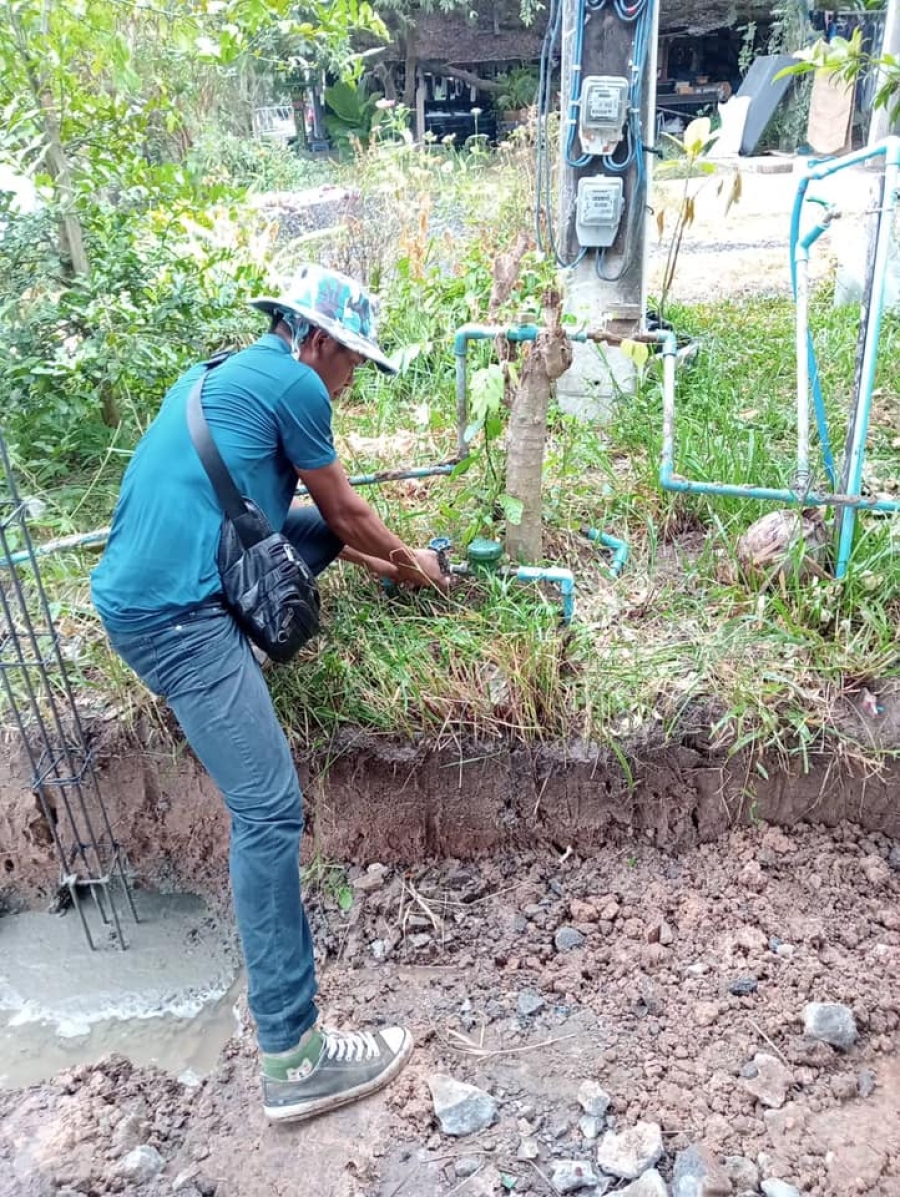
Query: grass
{"type": "Point", "coordinates": [674, 644]}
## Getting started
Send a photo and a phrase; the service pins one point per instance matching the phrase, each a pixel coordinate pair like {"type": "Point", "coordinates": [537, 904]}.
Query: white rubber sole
{"type": "Point", "coordinates": [310, 1109]}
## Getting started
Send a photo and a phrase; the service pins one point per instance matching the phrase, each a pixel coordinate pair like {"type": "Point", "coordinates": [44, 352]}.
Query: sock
{"type": "Point", "coordinates": [278, 1066]}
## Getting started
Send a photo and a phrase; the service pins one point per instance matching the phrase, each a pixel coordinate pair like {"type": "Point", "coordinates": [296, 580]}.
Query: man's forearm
{"type": "Point", "coordinates": [361, 529]}
{"type": "Point", "coordinates": [375, 565]}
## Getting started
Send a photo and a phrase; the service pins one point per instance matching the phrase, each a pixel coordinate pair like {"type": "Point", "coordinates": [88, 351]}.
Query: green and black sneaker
{"type": "Point", "coordinates": [330, 1069]}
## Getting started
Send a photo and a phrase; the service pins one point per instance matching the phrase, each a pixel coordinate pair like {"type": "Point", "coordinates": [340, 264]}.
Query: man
{"type": "Point", "coordinates": [157, 592]}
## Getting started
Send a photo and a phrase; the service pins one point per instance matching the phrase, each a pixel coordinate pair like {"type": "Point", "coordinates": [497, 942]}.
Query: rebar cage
{"type": "Point", "coordinates": [39, 701]}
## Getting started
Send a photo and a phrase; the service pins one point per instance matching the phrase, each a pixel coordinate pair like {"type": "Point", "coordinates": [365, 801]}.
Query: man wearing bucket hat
{"type": "Point", "coordinates": [158, 593]}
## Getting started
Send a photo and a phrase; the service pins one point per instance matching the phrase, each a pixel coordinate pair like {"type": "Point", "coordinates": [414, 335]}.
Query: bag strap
{"type": "Point", "coordinates": [227, 493]}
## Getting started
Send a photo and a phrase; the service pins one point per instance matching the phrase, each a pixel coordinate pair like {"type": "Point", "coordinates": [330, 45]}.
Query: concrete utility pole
{"type": "Point", "coordinates": [881, 125]}
{"type": "Point", "coordinates": [619, 305]}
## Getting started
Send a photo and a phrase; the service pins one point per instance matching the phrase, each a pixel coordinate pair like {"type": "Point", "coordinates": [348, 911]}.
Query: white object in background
{"type": "Point", "coordinates": [733, 116]}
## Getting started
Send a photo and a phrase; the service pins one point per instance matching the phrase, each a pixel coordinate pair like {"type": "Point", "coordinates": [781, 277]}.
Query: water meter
{"type": "Point", "coordinates": [598, 210]}
{"type": "Point", "coordinates": [601, 115]}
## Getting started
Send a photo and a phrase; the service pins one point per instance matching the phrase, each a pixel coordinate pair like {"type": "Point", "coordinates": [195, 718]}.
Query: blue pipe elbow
{"type": "Point", "coordinates": [619, 547]}
{"type": "Point", "coordinates": [563, 578]}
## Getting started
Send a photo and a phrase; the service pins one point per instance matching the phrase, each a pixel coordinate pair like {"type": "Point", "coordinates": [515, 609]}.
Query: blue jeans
{"type": "Point", "coordinates": [203, 666]}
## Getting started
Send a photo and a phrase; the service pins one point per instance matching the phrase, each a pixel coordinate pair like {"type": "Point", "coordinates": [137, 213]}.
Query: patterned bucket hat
{"type": "Point", "coordinates": [335, 303]}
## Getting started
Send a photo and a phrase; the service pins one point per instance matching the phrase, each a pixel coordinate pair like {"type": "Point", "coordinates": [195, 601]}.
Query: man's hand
{"type": "Point", "coordinates": [425, 571]}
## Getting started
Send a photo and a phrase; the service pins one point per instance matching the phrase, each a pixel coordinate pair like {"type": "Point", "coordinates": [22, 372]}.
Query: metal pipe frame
{"type": "Point", "coordinates": [807, 374]}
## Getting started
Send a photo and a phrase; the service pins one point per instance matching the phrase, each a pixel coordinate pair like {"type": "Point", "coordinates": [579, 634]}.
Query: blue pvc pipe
{"type": "Point", "coordinates": [563, 578]}
{"type": "Point", "coordinates": [619, 547]}
{"type": "Point", "coordinates": [98, 538]}
{"type": "Point", "coordinates": [813, 366]}
{"type": "Point", "coordinates": [891, 150]}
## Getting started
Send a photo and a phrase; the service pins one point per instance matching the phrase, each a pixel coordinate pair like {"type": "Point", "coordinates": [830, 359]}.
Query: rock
{"type": "Point", "coordinates": [894, 858]}
{"type": "Point", "coordinates": [767, 1079]}
{"type": "Point", "coordinates": [865, 1082]}
{"type": "Point", "coordinates": [630, 1152]}
{"type": "Point", "coordinates": [185, 1180]}
{"type": "Point", "coordinates": [529, 1003]}
{"type": "Point", "coordinates": [742, 1172]}
{"type": "Point", "coordinates": [582, 912]}
{"type": "Point", "coordinates": [568, 1176]}
{"type": "Point", "coordinates": [467, 1165]}
{"type": "Point", "coordinates": [697, 1174]}
{"type": "Point", "coordinates": [779, 1188]}
{"type": "Point", "coordinates": [528, 1148]}
{"type": "Point", "coordinates": [809, 1052]}
{"type": "Point", "coordinates": [589, 1126]}
{"type": "Point", "coordinates": [559, 1125]}
{"type": "Point", "coordinates": [461, 1109]}
{"type": "Point", "coordinates": [706, 1013]}
{"type": "Point", "coordinates": [666, 934]}
{"type": "Point", "coordinates": [651, 1184]}
{"type": "Point", "coordinates": [141, 1164]}
{"type": "Point", "coordinates": [593, 1099]}
{"type": "Point", "coordinates": [774, 840]}
{"type": "Point", "coordinates": [371, 880]}
{"type": "Point", "coordinates": [831, 1022]}
{"type": "Point", "coordinates": [743, 986]}
{"type": "Point", "coordinates": [378, 948]}
{"type": "Point", "coordinates": [567, 938]}
{"type": "Point", "coordinates": [131, 1132]}
{"type": "Point", "coordinates": [421, 940]}
{"type": "Point", "coordinates": [785, 950]}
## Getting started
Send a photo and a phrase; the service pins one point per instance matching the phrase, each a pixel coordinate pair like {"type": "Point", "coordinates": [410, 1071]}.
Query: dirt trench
{"type": "Point", "coordinates": [374, 799]}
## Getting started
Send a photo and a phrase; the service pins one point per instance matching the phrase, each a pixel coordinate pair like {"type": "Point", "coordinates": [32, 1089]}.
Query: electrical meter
{"type": "Point", "coordinates": [598, 210]}
{"type": "Point", "coordinates": [601, 115]}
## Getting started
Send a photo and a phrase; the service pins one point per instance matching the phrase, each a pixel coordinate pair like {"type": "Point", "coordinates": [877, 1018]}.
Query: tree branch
{"type": "Point", "coordinates": [453, 72]}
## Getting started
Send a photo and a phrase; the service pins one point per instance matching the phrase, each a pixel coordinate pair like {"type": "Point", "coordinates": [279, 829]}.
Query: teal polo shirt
{"type": "Point", "coordinates": [268, 414]}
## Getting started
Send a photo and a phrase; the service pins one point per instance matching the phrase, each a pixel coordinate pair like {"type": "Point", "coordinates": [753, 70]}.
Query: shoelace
{"type": "Point", "coordinates": [352, 1047]}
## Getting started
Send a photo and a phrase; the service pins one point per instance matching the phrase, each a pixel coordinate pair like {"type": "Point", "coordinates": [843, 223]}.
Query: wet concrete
{"type": "Point", "coordinates": [168, 1000]}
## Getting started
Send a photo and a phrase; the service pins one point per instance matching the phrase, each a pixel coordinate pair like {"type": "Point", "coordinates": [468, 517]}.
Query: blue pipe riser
{"type": "Point", "coordinates": [619, 547]}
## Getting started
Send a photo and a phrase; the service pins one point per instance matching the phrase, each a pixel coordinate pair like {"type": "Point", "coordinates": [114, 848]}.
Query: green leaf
{"type": "Point", "coordinates": [513, 509]}
{"type": "Point", "coordinates": [345, 898]}
{"type": "Point", "coordinates": [486, 389]}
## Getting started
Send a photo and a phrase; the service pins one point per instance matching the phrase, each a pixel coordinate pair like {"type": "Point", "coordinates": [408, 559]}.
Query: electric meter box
{"type": "Point", "coordinates": [598, 210]}
{"type": "Point", "coordinates": [601, 115]}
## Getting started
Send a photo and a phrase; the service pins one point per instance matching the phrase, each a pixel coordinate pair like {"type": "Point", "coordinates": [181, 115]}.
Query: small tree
{"type": "Point", "coordinates": [550, 357]}
{"type": "Point", "coordinates": [692, 162]}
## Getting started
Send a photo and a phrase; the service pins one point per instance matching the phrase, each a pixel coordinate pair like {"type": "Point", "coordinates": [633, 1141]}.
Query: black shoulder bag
{"type": "Point", "coordinates": [267, 586]}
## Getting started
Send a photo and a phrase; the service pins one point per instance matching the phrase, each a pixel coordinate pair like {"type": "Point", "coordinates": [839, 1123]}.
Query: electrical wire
{"type": "Point", "coordinates": [640, 13]}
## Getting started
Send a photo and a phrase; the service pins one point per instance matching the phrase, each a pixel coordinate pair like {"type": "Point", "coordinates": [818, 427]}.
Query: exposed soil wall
{"type": "Point", "coordinates": [371, 799]}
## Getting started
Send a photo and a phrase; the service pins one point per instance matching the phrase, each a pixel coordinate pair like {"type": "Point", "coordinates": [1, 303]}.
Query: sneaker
{"type": "Point", "coordinates": [331, 1069]}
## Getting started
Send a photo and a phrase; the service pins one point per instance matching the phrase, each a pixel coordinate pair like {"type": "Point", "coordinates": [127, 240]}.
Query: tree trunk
{"type": "Point", "coordinates": [410, 68]}
{"type": "Point", "coordinates": [550, 356]}
{"type": "Point", "coordinates": [71, 237]}
{"type": "Point", "coordinates": [384, 73]}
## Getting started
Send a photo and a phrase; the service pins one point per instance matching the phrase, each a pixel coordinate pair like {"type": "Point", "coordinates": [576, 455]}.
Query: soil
{"type": "Point", "coordinates": [689, 965]}
{"type": "Point", "coordinates": [369, 798]}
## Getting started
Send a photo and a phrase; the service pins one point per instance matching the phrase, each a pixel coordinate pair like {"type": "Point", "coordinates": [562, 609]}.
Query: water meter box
{"type": "Point", "coordinates": [602, 112]}
{"type": "Point", "coordinates": [598, 210]}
